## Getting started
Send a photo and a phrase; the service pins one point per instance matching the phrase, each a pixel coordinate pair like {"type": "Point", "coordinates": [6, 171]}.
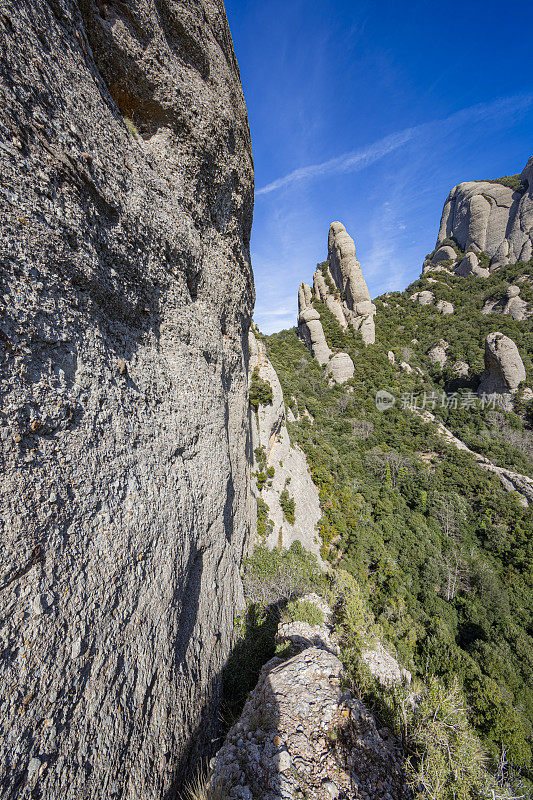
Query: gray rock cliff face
{"type": "Point", "coordinates": [269, 430]}
{"type": "Point", "coordinates": [345, 271]}
{"type": "Point", "coordinates": [126, 291]}
{"type": "Point", "coordinates": [491, 218]}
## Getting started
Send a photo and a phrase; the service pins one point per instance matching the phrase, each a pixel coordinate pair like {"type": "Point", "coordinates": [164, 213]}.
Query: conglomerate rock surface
{"type": "Point", "coordinates": [126, 290]}
{"type": "Point", "coordinates": [302, 735]}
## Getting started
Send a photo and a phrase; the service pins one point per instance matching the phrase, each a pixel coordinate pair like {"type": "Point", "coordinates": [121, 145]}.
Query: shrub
{"type": "Point", "coordinates": [288, 505]}
{"type": "Point", "coordinates": [260, 391]}
{"type": "Point", "coordinates": [303, 611]}
{"type": "Point", "coordinates": [276, 576]}
{"type": "Point", "coordinates": [265, 525]}
{"type": "Point", "coordinates": [512, 181]}
{"type": "Point", "coordinates": [353, 620]}
{"type": "Point", "coordinates": [447, 761]}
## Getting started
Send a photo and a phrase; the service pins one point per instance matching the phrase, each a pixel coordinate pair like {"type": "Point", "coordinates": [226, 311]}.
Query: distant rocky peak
{"type": "Point", "coordinates": [338, 283]}
{"type": "Point", "coordinates": [489, 217]}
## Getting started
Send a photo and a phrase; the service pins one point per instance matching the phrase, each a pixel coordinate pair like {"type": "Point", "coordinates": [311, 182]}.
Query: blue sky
{"type": "Point", "coordinates": [369, 112]}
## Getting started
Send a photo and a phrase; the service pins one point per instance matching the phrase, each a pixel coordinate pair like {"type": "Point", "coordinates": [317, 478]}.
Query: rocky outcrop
{"type": "Point", "coordinates": [340, 368]}
{"type": "Point", "coordinates": [504, 370]}
{"type": "Point", "coordinates": [511, 481]}
{"type": "Point", "coordinates": [444, 255]}
{"type": "Point", "coordinates": [437, 354]}
{"type": "Point", "coordinates": [331, 300]}
{"type": "Point", "coordinates": [490, 217]}
{"type": "Point", "coordinates": [126, 206]}
{"type": "Point", "coordinates": [310, 328]}
{"type": "Point", "coordinates": [339, 284]}
{"type": "Point", "coordinates": [384, 667]}
{"type": "Point", "coordinates": [424, 298]}
{"type": "Point", "coordinates": [291, 471]}
{"type": "Point", "coordinates": [445, 307]}
{"type": "Point", "coordinates": [469, 265]}
{"type": "Point", "coordinates": [511, 303]}
{"type": "Point", "coordinates": [302, 735]}
{"type": "Point", "coordinates": [345, 272]}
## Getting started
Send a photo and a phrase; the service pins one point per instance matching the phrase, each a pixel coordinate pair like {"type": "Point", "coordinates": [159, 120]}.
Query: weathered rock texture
{"type": "Point", "coordinates": [504, 369]}
{"type": "Point", "coordinates": [491, 218]}
{"type": "Point", "coordinates": [339, 284]}
{"type": "Point", "coordinates": [310, 328]}
{"type": "Point", "coordinates": [126, 295]}
{"type": "Point", "coordinates": [345, 272]}
{"type": "Point", "coordinates": [511, 303]}
{"type": "Point", "coordinates": [302, 735]}
{"type": "Point", "coordinates": [469, 265]}
{"type": "Point", "coordinates": [269, 431]}
{"type": "Point", "coordinates": [340, 368]}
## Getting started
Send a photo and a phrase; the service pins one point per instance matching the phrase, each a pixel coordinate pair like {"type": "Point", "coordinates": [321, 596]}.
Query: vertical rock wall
{"type": "Point", "coordinates": [291, 471]}
{"type": "Point", "coordinates": [126, 291]}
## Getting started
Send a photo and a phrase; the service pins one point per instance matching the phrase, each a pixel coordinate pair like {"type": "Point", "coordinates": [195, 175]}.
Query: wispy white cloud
{"type": "Point", "coordinates": [359, 159]}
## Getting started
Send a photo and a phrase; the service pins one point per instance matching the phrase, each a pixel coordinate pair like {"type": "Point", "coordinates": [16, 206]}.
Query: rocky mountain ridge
{"type": "Point", "coordinates": [338, 283]}
{"type": "Point", "coordinates": [303, 734]}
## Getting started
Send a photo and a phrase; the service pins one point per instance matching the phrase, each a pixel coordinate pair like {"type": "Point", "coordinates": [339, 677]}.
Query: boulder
{"type": "Point", "coordinates": [424, 298]}
{"type": "Point", "coordinates": [511, 303]}
{"type": "Point", "coordinates": [445, 307]}
{"type": "Point", "coordinates": [461, 369]}
{"type": "Point", "coordinates": [504, 369]}
{"type": "Point", "coordinates": [445, 253]}
{"type": "Point", "coordinates": [515, 306]}
{"type": "Point", "coordinates": [470, 266]}
{"type": "Point", "coordinates": [437, 355]}
{"type": "Point", "coordinates": [340, 368]}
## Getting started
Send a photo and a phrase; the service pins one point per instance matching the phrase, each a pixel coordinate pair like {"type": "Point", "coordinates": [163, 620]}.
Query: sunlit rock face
{"type": "Point", "coordinates": [126, 207]}
{"type": "Point", "coordinates": [492, 218]}
{"type": "Point", "coordinates": [504, 369]}
{"type": "Point", "coordinates": [347, 276]}
{"type": "Point", "coordinates": [287, 463]}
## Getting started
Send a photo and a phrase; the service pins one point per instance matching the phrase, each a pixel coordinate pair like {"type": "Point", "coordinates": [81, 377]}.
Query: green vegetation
{"type": "Point", "coordinates": [272, 579]}
{"type": "Point", "coordinates": [444, 553]}
{"type": "Point", "coordinates": [260, 391]}
{"type": "Point", "coordinates": [265, 525]}
{"type": "Point", "coordinates": [303, 611]}
{"type": "Point", "coordinates": [287, 504]}
{"type": "Point", "coordinates": [512, 181]}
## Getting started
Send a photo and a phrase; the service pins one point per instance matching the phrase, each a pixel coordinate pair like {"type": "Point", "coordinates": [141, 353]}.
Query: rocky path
{"type": "Point", "coordinates": [302, 734]}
